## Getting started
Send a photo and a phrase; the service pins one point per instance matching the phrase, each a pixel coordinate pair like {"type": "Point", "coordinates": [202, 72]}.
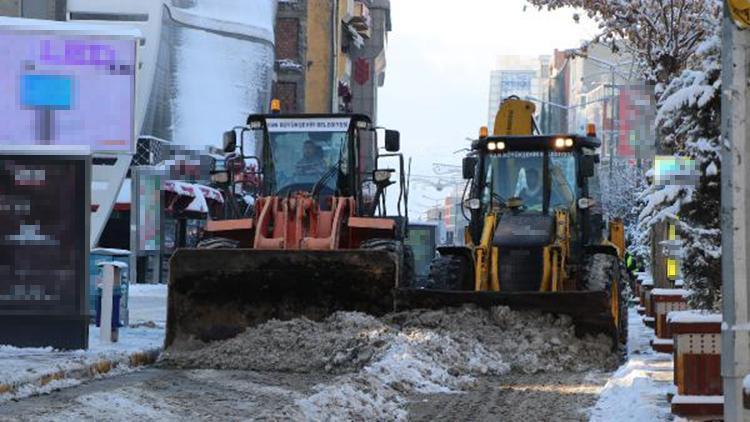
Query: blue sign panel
{"type": "Point", "coordinates": [47, 91]}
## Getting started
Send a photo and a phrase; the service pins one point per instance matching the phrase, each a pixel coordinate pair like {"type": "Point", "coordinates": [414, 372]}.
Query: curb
{"type": "Point", "coordinates": [86, 372]}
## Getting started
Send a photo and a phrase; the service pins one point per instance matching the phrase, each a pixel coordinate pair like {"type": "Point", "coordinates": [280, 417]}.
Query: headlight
{"type": "Point", "coordinates": [500, 146]}
{"type": "Point", "coordinates": [559, 143]}
{"type": "Point", "coordinates": [255, 124]}
{"type": "Point", "coordinates": [472, 204]}
{"type": "Point", "coordinates": [491, 146]}
{"type": "Point", "coordinates": [382, 175]}
{"type": "Point", "coordinates": [568, 142]}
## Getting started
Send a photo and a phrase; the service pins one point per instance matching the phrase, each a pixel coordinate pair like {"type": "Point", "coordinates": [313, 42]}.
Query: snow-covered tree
{"type": "Point", "coordinates": [621, 181]}
{"type": "Point", "coordinates": [689, 121]}
{"type": "Point", "coordinates": [661, 35]}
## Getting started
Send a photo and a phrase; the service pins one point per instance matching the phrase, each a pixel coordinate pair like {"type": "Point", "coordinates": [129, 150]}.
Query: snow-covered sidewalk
{"type": "Point", "coordinates": [638, 390]}
{"type": "Point", "coordinates": [27, 371]}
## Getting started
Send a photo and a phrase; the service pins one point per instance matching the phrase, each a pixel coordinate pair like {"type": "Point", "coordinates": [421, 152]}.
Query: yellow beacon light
{"type": "Point", "coordinates": [275, 106]}
{"type": "Point", "coordinates": [483, 132]}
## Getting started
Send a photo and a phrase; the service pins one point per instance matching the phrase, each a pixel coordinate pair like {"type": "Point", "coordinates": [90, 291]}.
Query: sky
{"type": "Point", "coordinates": [439, 58]}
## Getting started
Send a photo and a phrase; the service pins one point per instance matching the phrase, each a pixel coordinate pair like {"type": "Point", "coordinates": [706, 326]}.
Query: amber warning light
{"type": "Point", "coordinates": [590, 129]}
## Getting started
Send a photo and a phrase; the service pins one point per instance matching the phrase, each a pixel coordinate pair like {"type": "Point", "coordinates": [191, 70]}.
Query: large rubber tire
{"type": "Point", "coordinates": [404, 254]}
{"type": "Point", "coordinates": [217, 243]}
{"type": "Point", "coordinates": [601, 271]}
{"type": "Point", "coordinates": [450, 272]}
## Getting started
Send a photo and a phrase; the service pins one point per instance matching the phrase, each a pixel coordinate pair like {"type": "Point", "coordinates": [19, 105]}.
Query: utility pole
{"type": "Point", "coordinates": [735, 216]}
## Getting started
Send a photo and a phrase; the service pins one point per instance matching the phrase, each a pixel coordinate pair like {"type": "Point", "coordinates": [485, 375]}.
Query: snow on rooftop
{"type": "Point", "coordinates": [253, 19]}
{"type": "Point", "coordinates": [72, 28]}
{"type": "Point", "coordinates": [693, 316]}
{"type": "Point", "coordinates": [670, 292]}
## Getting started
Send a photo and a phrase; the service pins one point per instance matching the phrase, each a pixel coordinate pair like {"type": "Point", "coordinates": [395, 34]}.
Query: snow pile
{"type": "Point", "coordinates": [460, 341]}
{"type": "Point", "coordinates": [351, 398]}
{"type": "Point", "coordinates": [381, 361]}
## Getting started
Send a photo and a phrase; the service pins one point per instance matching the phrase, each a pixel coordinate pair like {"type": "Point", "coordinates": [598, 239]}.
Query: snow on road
{"type": "Point", "coordinates": [638, 389]}
{"type": "Point", "coordinates": [382, 363]}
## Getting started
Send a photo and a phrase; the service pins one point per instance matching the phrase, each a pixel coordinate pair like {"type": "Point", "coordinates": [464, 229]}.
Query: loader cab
{"type": "Point", "coordinates": [534, 176]}
{"type": "Point", "coordinates": [324, 154]}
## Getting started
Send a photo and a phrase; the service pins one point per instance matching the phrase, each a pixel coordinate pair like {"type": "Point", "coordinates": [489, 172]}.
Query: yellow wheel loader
{"type": "Point", "coordinates": [535, 234]}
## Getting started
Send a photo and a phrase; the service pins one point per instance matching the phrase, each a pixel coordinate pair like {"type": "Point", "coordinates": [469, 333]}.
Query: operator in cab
{"type": "Point", "coordinates": [312, 162]}
{"type": "Point", "coordinates": [529, 188]}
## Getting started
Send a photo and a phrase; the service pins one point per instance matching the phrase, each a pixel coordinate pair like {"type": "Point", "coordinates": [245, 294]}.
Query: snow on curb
{"type": "Point", "coordinates": [75, 374]}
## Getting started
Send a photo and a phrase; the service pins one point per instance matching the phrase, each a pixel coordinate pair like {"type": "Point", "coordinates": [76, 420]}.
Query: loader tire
{"type": "Point", "coordinates": [601, 271]}
{"type": "Point", "coordinates": [217, 243]}
{"type": "Point", "coordinates": [404, 254]}
{"type": "Point", "coordinates": [450, 272]}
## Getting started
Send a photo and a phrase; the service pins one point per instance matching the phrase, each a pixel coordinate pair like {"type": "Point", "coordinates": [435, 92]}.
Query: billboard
{"type": "Point", "coordinates": [67, 89]}
{"type": "Point", "coordinates": [44, 240]}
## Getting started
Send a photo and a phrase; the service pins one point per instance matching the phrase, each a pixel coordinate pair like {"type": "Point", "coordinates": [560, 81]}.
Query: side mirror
{"type": "Point", "coordinates": [587, 165]}
{"type": "Point", "coordinates": [230, 141]}
{"type": "Point", "coordinates": [468, 166]}
{"type": "Point", "coordinates": [392, 140]}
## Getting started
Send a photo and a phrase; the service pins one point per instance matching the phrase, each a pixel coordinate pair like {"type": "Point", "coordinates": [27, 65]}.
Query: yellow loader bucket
{"type": "Point", "coordinates": [215, 294]}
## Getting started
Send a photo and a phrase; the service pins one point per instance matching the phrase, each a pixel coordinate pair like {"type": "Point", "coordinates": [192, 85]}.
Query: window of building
{"type": "Point", "coordinates": [287, 39]}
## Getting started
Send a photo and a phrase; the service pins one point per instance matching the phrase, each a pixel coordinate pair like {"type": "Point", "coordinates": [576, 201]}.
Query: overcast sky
{"type": "Point", "coordinates": [439, 57]}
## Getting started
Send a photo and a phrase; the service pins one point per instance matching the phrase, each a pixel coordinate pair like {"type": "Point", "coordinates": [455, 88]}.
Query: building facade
{"type": "Point", "coordinates": [330, 55]}
{"type": "Point", "coordinates": [524, 76]}
{"type": "Point", "coordinates": [34, 9]}
{"type": "Point", "coordinates": [603, 88]}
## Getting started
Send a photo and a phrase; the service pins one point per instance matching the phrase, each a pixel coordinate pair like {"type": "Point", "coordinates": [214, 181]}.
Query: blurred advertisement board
{"type": "Point", "coordinates": [67, 89]}
{"type": "Point", "coordinates": [44, 216]}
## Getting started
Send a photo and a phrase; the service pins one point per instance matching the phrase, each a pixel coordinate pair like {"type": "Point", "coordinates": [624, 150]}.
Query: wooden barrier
{"type": "Point", "coordinates": [697, 364]}
{"type": "Point", "coordinates": [648, 309]}
{"type": "Point", "coordinates": [662, 302]}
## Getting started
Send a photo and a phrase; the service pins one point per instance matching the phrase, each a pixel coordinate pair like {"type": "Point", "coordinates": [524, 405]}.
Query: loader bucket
{"type": "Point", "coordinates": [215, 294]}
{"type": "Point", "coordinates": [589, 310]}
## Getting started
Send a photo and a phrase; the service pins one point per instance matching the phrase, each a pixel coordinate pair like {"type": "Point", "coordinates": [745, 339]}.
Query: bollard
{"type": "Point", "coordinates": [112, 273]}
{"type": "Point", "coordinates": [664, 301]}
